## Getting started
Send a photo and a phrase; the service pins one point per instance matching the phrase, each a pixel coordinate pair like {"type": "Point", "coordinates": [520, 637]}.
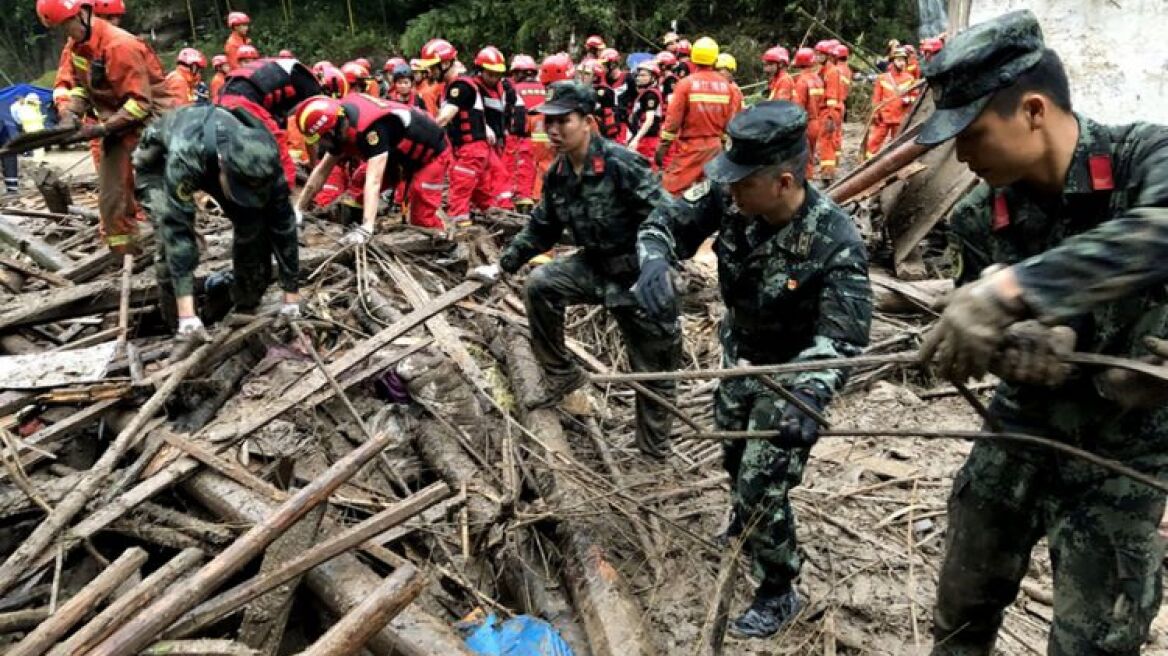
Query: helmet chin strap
{"type": "Point", "coordinates": [87, 23]}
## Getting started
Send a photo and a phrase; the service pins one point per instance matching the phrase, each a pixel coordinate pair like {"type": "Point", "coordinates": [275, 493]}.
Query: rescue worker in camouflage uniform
{"type": "Point", "coordinates": [1062, 246]}
{"type": "Point", "coordinates": [601, 192]}
{"type": "Point", "coordinates": [793, 272]}
{"type": "Point", "coordinates": [230, 156]}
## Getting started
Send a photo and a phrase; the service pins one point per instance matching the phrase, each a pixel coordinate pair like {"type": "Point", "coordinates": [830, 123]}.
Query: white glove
{"type": "Point", "coordinates": [299, 216]}
{"type": "Point", "coordinates": [190, 329]}
{"type": "Point", "coordinates": [290, 311]}
{"type": "Point", "coordinates": [491, 138]}
{"type": "Point", "coordinates": [358, 235]}
{"type": "Point", "coordinates": [488, 274]}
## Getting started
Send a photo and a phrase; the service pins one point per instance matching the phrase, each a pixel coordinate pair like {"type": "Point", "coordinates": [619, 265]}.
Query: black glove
{"type": "Point", "coordinates": [95, 131]}
{"type": "Point", "coordinates": [510, 261]}
{"type": "Point", "coordinates": [798, 429]}
{"type": "Point", "coordinates": [659, 156]}
{"type": "Point", "coordinates": [654, 290]}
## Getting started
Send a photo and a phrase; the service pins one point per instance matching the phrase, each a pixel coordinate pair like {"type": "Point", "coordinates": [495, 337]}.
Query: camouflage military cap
{"type": "Point", "coordinates": [767, 133]}
{"type": "Point", "coordinates": [974, 65]}
{"type": "Point", "coordinates": [249, 158]}
{"type": "Point", "coordinates": [567, 97]}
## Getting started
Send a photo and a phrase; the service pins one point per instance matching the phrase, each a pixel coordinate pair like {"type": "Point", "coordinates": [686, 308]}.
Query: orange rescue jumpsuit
{"type": "Point", "coordinates": [891, 100]}
{"type": "Point", "coordinates": [783, 87]}
{"type": "Point", "coordinates": [703, 103]}
{"type": "Point", "coordinates": [217, 83]}
{"type": "Point", "coordinates": [809, 96]}
{"type": "Point", "coordinates": [180, 84]}
{"type": "Point", "coordinates": [63, 86]}
{"type": "Point", "coordinates": [846, 81]}
{"type": "Point", "coordinates": [119, 78]}
{"type": "Point", "coordinates": [431, 93]}
{"type": "Point", "coordinates": [832, 119]}
{"type": "Point", "coordinates": [231, 48]}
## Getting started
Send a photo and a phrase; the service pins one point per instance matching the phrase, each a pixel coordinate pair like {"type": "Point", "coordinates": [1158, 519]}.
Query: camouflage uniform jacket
{"type": "Point", "coordinates": [172, 162]}
{"type": "Point", "coordinates": [601, 208]}
{"type": "Point", "coordinates": [792, 294]}
{"type": "Point", "coordinates": [1092, 258]}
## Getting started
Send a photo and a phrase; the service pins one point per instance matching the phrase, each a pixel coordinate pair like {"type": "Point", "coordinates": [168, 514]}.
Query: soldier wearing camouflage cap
{"type": "Point", "coordinates": [231, 157]}
{"type": "Point", "coordinates": [793, 272]}
{"type": "Point", "coordinates": [1061, 247]}
{"type": "Point", "coordinates": [600, 192]}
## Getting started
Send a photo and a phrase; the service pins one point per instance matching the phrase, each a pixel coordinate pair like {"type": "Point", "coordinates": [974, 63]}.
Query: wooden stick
{"type": "Point", "coordinates": [45, 533]}
{"type": "Point", "coordinates": [714, 628]}
{"type": "Point", "coordinates": [223, 605]}
{"type": "Point", "coordinates": [124, 302]}
{"type": "Point", "coordinates": [350, 634]}
{"type": "Point", "coordinates": [137, 633]}
{"type": "Point", "coordinates": [46, 256]}
{"type": "Point", "coordinates": [22, 620]}
{"type": "Point", "coordinates": [133, 601]}
{"type": "Point", "coordinates": [47, 276]}
{"type": "Point", "coordinates": [198, 648]}
{"type": "Point", "coordinates": [51, 630]}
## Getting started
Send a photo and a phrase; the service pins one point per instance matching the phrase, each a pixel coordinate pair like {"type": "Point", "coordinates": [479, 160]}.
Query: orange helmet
{"type": "Point", "coordinates": [54, 12]}
{"type": "Point", "coordinates": [237, 18]}
{"type": "Point", "coordinates": [286, 54]}
{"type": "Point", "coordinates": [490, 59]}
{"type": "Point", "coordinates": [218, 60]}
{"type": "Point", "coordinates": [777, 55]}
{"type": "Point", "coordinates": [437, 50]}
{"type": "Point", "coordinates": [333, 81]}
{"type": "Point", "coordinates": [609, 56]}
{"type": "Point", "coordinates": [684, 47]}
{"type": "Point", "coordinates": [191, 57]}
{"type": "Point", "coordinates": [247, 52]}
{"type": "Point", "coordinates": [804, 57]}
{"type": "Point", "coordinates": [318, 116]}
{"type": "Point", "coordinates": [595, 42]}
{"type": "Point", "coordinates": [523, 63]}
{"type": "Point", "coordinates": [393, 63]}
{"type": "Point", "coordinates": [109, 8]}
{"type": "Point", "coordinates": [354, 71]}
{"type": "Point", "coordinates": [555, 68]}
{"type": "Point", "coordinates": [666, 59]}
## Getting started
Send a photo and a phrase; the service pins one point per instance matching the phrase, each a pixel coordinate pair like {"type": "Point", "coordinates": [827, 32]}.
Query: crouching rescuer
{"type": "Point", "coordinates": [233, 158]}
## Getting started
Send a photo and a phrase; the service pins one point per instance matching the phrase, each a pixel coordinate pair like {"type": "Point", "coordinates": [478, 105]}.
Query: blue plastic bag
{"type": "Point", "coordinates": [520, 636]}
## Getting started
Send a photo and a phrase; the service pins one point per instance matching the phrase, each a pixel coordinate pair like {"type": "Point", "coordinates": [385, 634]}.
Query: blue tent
{"type": "Point", "coordinates": [9, 95]}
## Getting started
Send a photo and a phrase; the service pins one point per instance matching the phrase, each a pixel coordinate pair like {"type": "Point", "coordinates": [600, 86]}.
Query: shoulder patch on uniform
{"type": "Point", "coordinates": [373, 138]}
{"type": "Point", "coordinates": [697, 191]}
{"type": "Point", "coordinates": [454, 92]}
{"type": "Point", "coordinates": [956, 262]}
{"type": "Point", "coordinates": [185, 190]}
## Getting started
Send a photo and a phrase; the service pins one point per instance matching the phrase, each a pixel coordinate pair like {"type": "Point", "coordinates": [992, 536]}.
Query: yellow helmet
{"type": "Point", "coordinates": [704, 52]}
{"type": "Point", "coordinates": [727, 61]}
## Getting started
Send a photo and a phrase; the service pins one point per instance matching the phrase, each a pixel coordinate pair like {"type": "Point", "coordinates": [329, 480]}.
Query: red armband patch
{"type": "Point", "coordinates": [1102, 178]}
{"type": "Point", "coordinates": [1001, 213]}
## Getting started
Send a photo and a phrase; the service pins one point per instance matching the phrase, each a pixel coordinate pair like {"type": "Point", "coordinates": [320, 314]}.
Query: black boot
{"type": "Point", "coordinates": [557, 388]}
{"type": "Point", "coordinates": [771, 611]}
{"type": "Point", "coordinates": [218, 289]}
{"type": "Point", "coordinates": [733, 530]}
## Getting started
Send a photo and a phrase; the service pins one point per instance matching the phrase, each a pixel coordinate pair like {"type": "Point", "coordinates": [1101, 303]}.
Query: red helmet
{"type": "Point", "coordinates": [218, 60]}
{"type": "Point", "coordinates": [286, 54]}
{"type": "Point", "coordinates": [393, 63]}
{"type": "Point", "coordinates": [683, 48]}
{"type": "Point", "coordinates": [333, 81]}
{"type": "Point", "coordinates": [54, 12]}
{"type": "Point", "coordinates": [777, 55]}
{"type": "Point", "coordinates": [437, 50]}
{"type": "Point", "coordinates": [191, 57]}
{"type": "Point", "coordinates": [910, 49]}
{"type": "Point", "coordinates": [237, 18]}
{"type": "Point", "coordinates": [824, 47]}
{"type": "Point", "coordinates": [555, 68]}
{"type": "Point", "coordinates": [523, 63]}
{"type": "Point", "coordinates": [319, 67]}
{"type": "Point", "coordinates": [354, 71]}
{"type": "Point", "coordinates": [416, 65]}
{"type": "Point", "coordinates": [651, 66]}
{"type": "Point", "coordinates": [109, 8]}
{"type": "Point", "coordinates": [932, 45]}
{"type": "Point", "coordinates": [490, 59]}
{"type": "Point", "coordinates": [318, 116]}
{"type": "Point", "coordinates": [587, 65]}
{"type": "Point", "coordinates": [247, 52]}
{"type": "Point", "coordinates": [364, 62]}
{"type": "Point", "coordinates": [666, 59]}
{"type": "Point", "coordinates": [841, 52]}
{"type": "Point", "coordinates": [609, 56]}
{"type": "Point", "coordinates": [595, 42]}
{"type": "Point", "coordinates": [804, 57]}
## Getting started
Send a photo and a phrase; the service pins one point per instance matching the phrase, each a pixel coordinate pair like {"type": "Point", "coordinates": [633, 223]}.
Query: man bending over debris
{"type": "Point", "coordinates": [793, 272]}
{"type": "Point", "coordinates": [230, 156]}
{"type": "Point", "coordinates": [602, 193]}
{"type": "Point", "coordinates": [1062, 246]}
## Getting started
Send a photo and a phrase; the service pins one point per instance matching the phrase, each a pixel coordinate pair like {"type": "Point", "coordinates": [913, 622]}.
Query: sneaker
{"type": "Point", "coordinates": [557, 388]}
{"type": "Point", "coordinates": [769, 613]}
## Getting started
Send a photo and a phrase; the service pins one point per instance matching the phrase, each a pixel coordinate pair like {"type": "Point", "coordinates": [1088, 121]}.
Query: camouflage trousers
{"type": "Point", "coordinates": [652, 345]}
{"type": "Point", "coordinates": [761, 476]}
{"type": "Point", "coordinates": [1104, 548]}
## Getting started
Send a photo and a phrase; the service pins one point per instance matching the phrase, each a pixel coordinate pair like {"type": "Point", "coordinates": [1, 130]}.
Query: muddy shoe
{"type": "Point", "coordinates": [769, 613]}
{"type": "Point", "coordinates": [733, 530]}
{"type": "Point", "coordinates": [556, 389]}
{"type": "Point", "coordinates": [652, 446]}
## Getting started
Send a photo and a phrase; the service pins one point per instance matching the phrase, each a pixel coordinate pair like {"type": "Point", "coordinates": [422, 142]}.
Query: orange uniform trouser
{"type": "Point", "coordinates": [689, 156]}
{"type": "Point", "coordinates": [519, 160]}
{"type": "Point", "coordinates": [647, 148]}
{"type": "Point", "coordinates": [814, 127]}
{"type": "Point", "coordinates": [424, 193]}
{"type": "Point", "coordinates": [277, 131]}
{"type": "Point", "coordinates": [827, 144]}
{"type": "Point", "coordinates": [116, 205]}
{"type": "Point", "coordinates": [544, 155]}
{"type": "Point", "coordinates": [470, 180]}
{"type": "Point", "coordinates": [881, 132]}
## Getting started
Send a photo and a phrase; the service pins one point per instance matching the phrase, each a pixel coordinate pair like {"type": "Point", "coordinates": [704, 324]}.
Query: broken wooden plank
{"type": "Point", "coordinates": [29, 270]}
{"type": "Point", "coordinates": [357, 627]}
{"type": "Point", "coordinates": [198, 648]}
{"type": "Point", "coordinates": [46, 256]}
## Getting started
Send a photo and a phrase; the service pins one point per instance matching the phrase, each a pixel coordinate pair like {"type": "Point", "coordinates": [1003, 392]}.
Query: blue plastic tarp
{"type": "Point", "coordinates": [9, 95]}
{"type": "Point", "coordinates": [519, 636]}
{"type": "Point", "coordinates": [636, 58]}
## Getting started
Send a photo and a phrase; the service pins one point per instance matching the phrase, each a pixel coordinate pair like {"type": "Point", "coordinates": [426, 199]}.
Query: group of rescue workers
{"type": "Point", "coordinates": [1061, 247]}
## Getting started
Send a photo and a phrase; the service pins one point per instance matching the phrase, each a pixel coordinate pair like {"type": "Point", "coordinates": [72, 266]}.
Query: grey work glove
{"type": "Point", "coordinates": [1133, 390]}
{"type": "Point", "coordinates": [1032, 354]}
{"type": "Point", "coordinates": [488, 274]}
{"type": "Point", "coordinates": [969, 333]}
